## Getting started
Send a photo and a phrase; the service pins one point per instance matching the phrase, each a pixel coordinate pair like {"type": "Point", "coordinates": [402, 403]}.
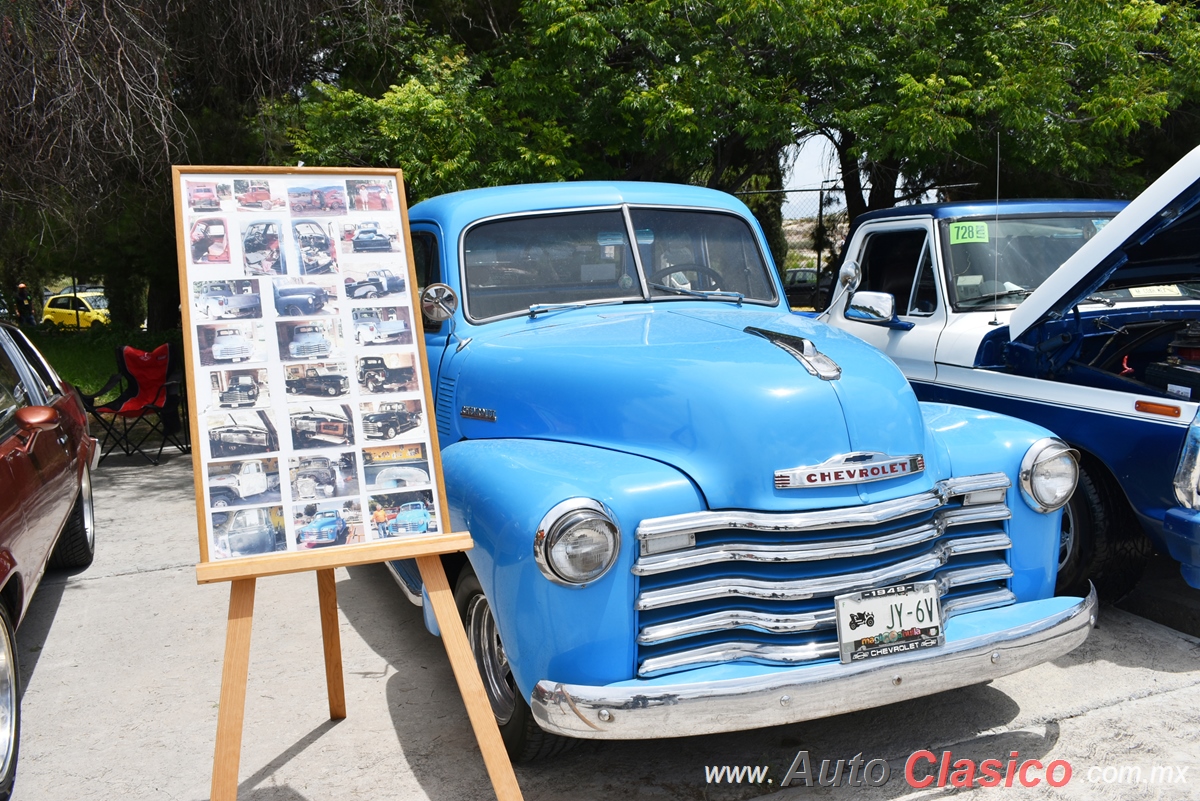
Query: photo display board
{"type": "Point", "coordinates": [309, 397]}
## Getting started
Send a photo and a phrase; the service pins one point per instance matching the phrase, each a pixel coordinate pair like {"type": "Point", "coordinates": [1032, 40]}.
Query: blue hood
{"type": "Point", "coordinates": [688, 386]}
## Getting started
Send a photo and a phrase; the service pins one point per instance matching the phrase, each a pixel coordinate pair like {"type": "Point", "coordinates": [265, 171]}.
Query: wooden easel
{"type": "Point", "coordinates": [242, 576]}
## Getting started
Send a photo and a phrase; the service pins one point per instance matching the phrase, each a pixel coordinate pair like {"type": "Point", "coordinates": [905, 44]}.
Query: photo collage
{"type": "Point", "coordinates": [313, 431]}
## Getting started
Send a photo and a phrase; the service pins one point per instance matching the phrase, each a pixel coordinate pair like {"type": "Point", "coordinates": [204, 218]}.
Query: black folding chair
{"type": "Point", "coordinates": [150, 405]}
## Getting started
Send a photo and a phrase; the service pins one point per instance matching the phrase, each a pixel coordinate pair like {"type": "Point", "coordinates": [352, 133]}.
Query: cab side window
{"type": "Point", "coordinates": [428, 268]}
{"type": "Point", "coordinates": [12, 394]}
{"type": "Point", "coordinates": [425, 257]}
{"type": "Point", "coordinates": [900, 263]}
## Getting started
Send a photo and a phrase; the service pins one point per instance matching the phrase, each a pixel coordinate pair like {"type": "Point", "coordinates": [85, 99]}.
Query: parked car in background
{"type": "Point", "coordinates": [82, 310]}
{"type": "Point", "coordinates": [800, 286]}
{"type": "Point", "coordinates": [679, 495]}
{"type": "Point", "coordinates": [1082, 316]}
{"type": "Point", "coordinates": [46, 518]}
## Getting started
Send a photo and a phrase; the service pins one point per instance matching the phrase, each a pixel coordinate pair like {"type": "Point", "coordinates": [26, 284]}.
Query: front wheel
{"type": "Point", "coordinates": [1100, 540]}
{"type": "Point", "coordinates": [77, 544]}
{"type": "Point", "coordinates": [523, 738]}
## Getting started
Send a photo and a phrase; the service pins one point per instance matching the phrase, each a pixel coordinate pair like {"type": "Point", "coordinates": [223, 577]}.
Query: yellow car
{"type": "Point", "coordinates": [83, 310]}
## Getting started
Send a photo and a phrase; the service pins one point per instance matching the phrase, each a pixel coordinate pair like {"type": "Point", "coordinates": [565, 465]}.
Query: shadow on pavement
{"type": "Point", "coordinates": [439, 745]}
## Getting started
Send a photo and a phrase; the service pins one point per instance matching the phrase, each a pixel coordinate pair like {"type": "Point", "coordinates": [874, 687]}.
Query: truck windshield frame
{"type": "Point", "coordinates": [581, 257]}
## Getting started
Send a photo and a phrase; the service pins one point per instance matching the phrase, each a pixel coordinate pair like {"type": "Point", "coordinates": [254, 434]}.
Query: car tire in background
{"type": "Point", "coordinates": [523, 738]}
{"type": "Point", "coordinates": [77, 543]}
{"type": "Point", "coordinates": [1102, 539]}
{"type": "Point", "coordinates": [10, 705]}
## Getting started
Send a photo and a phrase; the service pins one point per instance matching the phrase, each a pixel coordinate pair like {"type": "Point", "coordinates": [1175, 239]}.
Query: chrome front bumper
{"type": "Point", "coordinates": [652, 710]}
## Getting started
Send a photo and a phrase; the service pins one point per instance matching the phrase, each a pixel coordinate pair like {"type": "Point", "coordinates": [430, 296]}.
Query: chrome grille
{"type": "Point", "coordinates": [372, 429]}
{"type": "Point", "coordinates": [236, 396]}
{"type": "Point", "coordinates": [728, 586]}
{"type": "Point", "coordinates": [309, 349]}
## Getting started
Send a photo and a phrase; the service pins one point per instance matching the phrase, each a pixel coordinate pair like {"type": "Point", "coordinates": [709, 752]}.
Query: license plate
{"type": "Point", "coordinates": [889, 620]}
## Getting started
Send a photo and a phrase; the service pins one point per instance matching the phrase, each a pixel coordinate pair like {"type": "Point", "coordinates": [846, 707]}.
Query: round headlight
{"type": "Point", "coordinates": [1049, 473]}
{"type": "Point", "coordinates": [577, 542]}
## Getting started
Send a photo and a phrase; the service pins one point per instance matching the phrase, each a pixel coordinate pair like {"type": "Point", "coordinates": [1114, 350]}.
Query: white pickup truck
{"type": "Point", "coordinates": [243, 481]}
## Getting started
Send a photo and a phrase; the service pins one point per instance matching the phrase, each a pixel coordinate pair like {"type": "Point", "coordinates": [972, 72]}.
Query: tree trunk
{"type": "Point", "coordinates": [851, 179]}
{"type": "Point", "coordinates": [884, 176]}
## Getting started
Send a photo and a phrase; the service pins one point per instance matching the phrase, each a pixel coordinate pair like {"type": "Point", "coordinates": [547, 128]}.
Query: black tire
{"type": "Point", "coordinates": [331, 391]}
{"type": "Point", "coordinates": [524, 740]}
{"type": "Point", "coordinates": [77, 544]}
{"type": "Point", "coordinates": [221, 501]}
{"type": "Point", "coordinates": [391, 432]}
{"type": "Point", "coordinates": [10, 694]}
{"type": "Point", "coordinates": [1101, 541]}
{"type": "Point", "coordinates": [293, 311]}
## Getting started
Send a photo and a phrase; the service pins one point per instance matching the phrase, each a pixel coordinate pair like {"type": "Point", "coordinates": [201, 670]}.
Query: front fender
{"type": "Point", "coordinates": [500, 490]}
{"type": "Point", "coordinates": [982, 442]}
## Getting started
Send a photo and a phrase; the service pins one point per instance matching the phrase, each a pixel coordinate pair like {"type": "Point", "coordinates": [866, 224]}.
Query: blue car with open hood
{"type": "Point", "coordinates": [1079, 315]}
{"type": "Point", "coordinates": [694, 511]}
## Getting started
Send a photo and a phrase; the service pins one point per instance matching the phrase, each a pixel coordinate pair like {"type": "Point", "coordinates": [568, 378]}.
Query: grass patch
{"type": "Point", "coordinates": [88, 357]}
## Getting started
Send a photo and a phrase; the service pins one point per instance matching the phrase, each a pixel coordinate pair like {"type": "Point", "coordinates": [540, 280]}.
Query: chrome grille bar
{"type": "Point", "coordinates": [680, 530]}
{"type": "Point", "coordinates": [804, 589]}
{"type": "Point", "coordinates": [759, 653]}
{"type": "Point", "coordinates": [648, 565]}
{"type": "Point", "coordinates": [737, 619]}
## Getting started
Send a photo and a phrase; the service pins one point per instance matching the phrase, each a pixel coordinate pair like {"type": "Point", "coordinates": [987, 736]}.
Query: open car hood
{"type": "Point", "coordinates": [1154, 240]}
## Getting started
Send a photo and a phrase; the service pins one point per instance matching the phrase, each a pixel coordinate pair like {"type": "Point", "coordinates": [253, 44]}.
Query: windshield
{"type": "Point", "coordinates": [997, 263]}
{"type": "Point", "coordinates": [585, 257]}
{"type": "Point", "coordinates": [97, 301]}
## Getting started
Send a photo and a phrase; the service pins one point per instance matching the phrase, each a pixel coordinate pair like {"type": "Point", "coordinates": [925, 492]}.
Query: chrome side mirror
{"type": "Point", "coordinates": [438, 302]}
{"type": "Point", "coordinates": [849, 276]}
{"type": "Point", "coordinates": [875, 308]}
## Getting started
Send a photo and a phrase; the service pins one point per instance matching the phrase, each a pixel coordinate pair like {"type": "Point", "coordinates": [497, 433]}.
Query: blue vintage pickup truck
{"type": "Point", "coordinates": [696, 512]}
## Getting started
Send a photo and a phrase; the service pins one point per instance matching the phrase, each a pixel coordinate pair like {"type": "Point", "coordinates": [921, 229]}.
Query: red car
{"type": "Point", "coordinates": [46, 520]}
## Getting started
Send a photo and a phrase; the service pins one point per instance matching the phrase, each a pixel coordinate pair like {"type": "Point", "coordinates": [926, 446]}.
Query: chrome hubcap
{"type": "Point", "coordinates": [1066, 537]}
{"type": "Point", "coordinates": [492, 661]}
{"type": "Point", "coordinates": [8, 704]}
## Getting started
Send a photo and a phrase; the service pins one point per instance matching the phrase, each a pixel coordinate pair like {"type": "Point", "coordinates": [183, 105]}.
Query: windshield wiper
{"type": "Point", "coordinates": [995, 296]}
{"type": "Point", "coordinates": [1109, 302]}
{"type": "Point", "coordinates": [542, 308]}
{"type": "Point", "coordinates": [715, 294]}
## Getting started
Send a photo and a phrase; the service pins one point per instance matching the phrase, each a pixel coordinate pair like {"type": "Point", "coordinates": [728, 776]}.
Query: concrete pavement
{"type": "Point", "coordinates": [121, 666]}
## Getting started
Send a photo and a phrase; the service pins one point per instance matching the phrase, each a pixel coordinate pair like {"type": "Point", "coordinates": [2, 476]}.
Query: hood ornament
{"type": "Point", "coordinates": [850, 468]}
{"type": "Point", "coordinates": [804, 351]}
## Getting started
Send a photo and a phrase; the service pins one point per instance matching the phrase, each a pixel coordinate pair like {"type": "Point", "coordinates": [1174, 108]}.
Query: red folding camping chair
{"type": "Point", "coordinates": [150, 404]}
